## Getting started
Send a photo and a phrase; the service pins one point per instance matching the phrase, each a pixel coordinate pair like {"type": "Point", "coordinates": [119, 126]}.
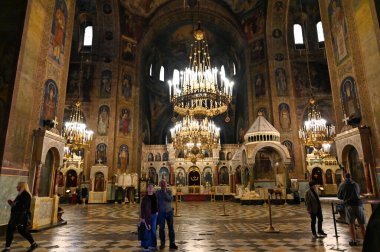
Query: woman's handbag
{"type": "Point", "coordinates": [142, 229]}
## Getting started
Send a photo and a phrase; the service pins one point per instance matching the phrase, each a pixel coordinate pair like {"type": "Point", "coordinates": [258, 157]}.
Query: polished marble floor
{"type": "Point", "coordinates": [199, 228]}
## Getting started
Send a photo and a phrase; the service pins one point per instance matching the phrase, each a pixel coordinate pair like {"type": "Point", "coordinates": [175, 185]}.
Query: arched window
{"type": "Point", "coordinates": [234, 66]}
{"type": "Point", "coordinates": [87, 41]}
{"type": "Point", "coordinates": [162, 74]}
{"type": "Point", "coordinates": [175, 77]}
{"type": "Point", "coordinates": [150, 70]}
{"type": "Point", "coordinates": [298, 36]}
{"type": "Point", "coordinates": [321, 37]}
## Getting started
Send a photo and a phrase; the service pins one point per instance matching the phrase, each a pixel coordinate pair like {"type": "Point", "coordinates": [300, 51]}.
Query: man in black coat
{"type": "Point", "coordinates": [314, 209]}
{"type": "Point", "coordinates": [19, 217]}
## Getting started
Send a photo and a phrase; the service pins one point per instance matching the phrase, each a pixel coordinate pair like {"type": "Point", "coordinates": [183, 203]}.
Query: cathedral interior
{"type": "Point", "coordinates": [223, 99]}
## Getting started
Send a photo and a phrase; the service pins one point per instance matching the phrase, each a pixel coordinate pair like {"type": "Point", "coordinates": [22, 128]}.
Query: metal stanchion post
{"type": "Point", "coordinates": [270, 229]}
{"type": "Point", "coordinates": [224, 208]}
{"type": "Point", "coordinates": [176, 214]}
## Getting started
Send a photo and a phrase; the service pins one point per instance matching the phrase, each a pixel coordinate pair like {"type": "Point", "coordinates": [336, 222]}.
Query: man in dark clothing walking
{"type": "Point", "coordinates": [19, 217]}
{"type": "Point", "coordinates": [165, 212]}
{"type": "Point", "coordinates": [349, 192]}
{"type": "Point", "coordinates": [314, 209]}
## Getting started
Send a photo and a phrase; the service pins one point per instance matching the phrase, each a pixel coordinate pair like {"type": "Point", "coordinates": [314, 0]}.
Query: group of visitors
{"type": "Point", "coordinates": [156, 208]}
{"type": "Point", "coordinates": [349, 192]}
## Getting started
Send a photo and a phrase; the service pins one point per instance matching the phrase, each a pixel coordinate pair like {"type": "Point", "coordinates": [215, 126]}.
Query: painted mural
{"type": "Point", "coordinates": [105, 84]}
{"type": "Point", "coordinates": [207, 176]}
{"type": "Point", "coordinates": [123, 158]}
{"type": "Point", "coordinates": [350, 101]}
{"type": "Point", "coordinates": [339, 33]}
{"type": "Point", "coordinates": [103, 120]}
{"type": "Point", "coordinates": [259, 85]}
{"type": "Point", "coordinates": [319, 80]}
{"type": "Point", "coordinates": [180, 177]}
{"type": "Point", "coordinates": [281, 85]}
{"type": "Point", "coordinates": [129, 50]}
{"type": "Point", "coordinates": [254, 22]}
{"type": "Point", "coordinates": [73, 79]}
{"type": "Point", "coordinates": [126, 86]}
{"type": "Point", "coordinates": [258, 51]}
{"type": "Point", "coordinates": [49, 103]}
{"type": "Point", "coordinates": [164, 174]}
{"type": "Point", "coordinates": [125, 122]}
{"type": "Point", "coordinates": [58, 31]}
{"type": "Point", "coordinates": [284, 116]}
{"type": "Point", "coordinates": [101, 153]}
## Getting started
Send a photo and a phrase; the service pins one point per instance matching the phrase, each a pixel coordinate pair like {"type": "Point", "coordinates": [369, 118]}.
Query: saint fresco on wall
{"type": "Point", "coordinates": [350, 101]}
{"type": "Point", "coordinates": [123, 157]}
{"type": "Point", "coordinates": [207, 176]}
{"type": "Point", "coordinates": [284, 116]}
{"type": "Point", "coordinates": [129, 50]}
{"type": "Point", "coordinates": [338, 28]}
{"type": "Point", "coordinates": [101, 153]}
{"type": "Point", "coordinates": [264, 112]}
{"type": "Point", "coordinates": [125, 122]}
{"type": "Point", "coordinates": [105, 84]}
{"type": "Point", "coordinates": [254, 22]}
{"type": "Point", "coordinates": [258, 51]}
{"type": "Point", "coordinates": [126, 86]}
{"type": "Point", "coordinates": [319, 78]}
{"type": "Point", "coordinates": [259, 85]}
{"type": "Point", "coordinates": [49, 105]}
{"type": "Point", "coordinates": [103, 120]}
{"type": "Point", "coordinates": [180, 177]}
{"type": "Point", "coordinates": [164, 174]}
{"type": "Point", "coordinates": [281, 85]}
{"type": "Point", "coordinates": [58, 31]}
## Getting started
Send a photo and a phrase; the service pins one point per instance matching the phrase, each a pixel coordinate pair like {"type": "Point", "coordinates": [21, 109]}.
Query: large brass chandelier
{"type": "Point", "coordinates": [195, 135]}
{"type": "Point", "coordinates": [78, 137]}
{"type": "Point", "coordinates": [200, 89]}
{"type": "Point", "coordinates": [75, 131]}
{"type": "Point", "coordinates": [315, 132]}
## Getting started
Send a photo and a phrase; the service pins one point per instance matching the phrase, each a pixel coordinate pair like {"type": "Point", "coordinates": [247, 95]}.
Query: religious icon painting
{"type": "Point", "coordinates": [126, 86]}
{"type": "Point", "coordinates": [259, 85]}
{"type": "Point", "coordinates": [105, 84]}
{"type": "Point", "coordinates": [284, 116]}
{"type": "Point", "coordinates": [125, 122]}
{"type": "Point", "coordinates": [223, 176]}
{"type": "Point", "coordinates": [49, 103]}
{"type": "Point", "coordinates": [207, 176]}
{"type": "Point", "coordinates": [58, 31]}
{"type": "Point", "coordinates": [103, 120]}
{"type": "Point", "coordinates": [180, 177]}
{"type": "Point", "coordinates": [339, 34]}
{"type": "Point", "coordinates": [350, 101]}
{"type": "Point", "coordinates": [129, 50]}
{"type": "Point", "coordinates": [258, 51]}
{"type": "Point", "coordinates": [164, 174]}
{"type": "Point", "coordinates": [123, 157]}
{"type": "Point", "coordinates": [101, 153]}
{"type": "Point", "coordinates": [99, 182]}
{"type": "Point", "coordinates": [281, 85]}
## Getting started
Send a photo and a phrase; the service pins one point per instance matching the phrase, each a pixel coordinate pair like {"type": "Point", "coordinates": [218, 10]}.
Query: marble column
{"type": "Point", "coordinates": [215, 175]}
{"type": "Point", "coordinates": [172, 175]}
{"type": "Point", "coordinates": [37, 179]}
{"type": "Point", "coordinates": [367, 175]}
{"type": "Point", "coordinates": [232, 182]}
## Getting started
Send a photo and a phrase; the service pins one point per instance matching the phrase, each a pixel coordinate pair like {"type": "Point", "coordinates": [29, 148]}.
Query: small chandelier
{"type": "Point", "coordinates": [200, 89]}
{"type": "Point", "coordinates": [193, 135]}
{"type": "Point", "coordinates": [315, 132]}
{"type": "Point", "coordinates": [75, 131]}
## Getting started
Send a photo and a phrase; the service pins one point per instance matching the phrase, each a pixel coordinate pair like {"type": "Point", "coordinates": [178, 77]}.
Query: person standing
{"type": "Point", "coordinates": [165, 213]}
{"type": "Point", "coordinates": [19, 217]}
{"type": "Point", "coordinates": [149, 212]}
{"type": "Point", "coordinates": [314, 208]}
{"type": "Point", "coordinates": [349, 192]}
